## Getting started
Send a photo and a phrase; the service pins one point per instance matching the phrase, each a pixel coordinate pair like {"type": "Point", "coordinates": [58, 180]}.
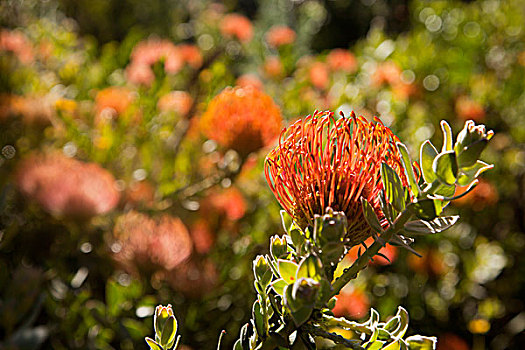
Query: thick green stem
{"type": "Point", "coordinates": [362, 261]}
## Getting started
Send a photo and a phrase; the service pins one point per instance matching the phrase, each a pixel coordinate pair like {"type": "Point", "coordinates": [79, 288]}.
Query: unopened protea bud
{"type": "Point", "coordinates": [165, 326]}
{"type": "Point", "coordinates": [278, 247]}
{"type": "Point", "coordinates": [471, 141]}
{"type": "Point", "coordinates": [262, 271]}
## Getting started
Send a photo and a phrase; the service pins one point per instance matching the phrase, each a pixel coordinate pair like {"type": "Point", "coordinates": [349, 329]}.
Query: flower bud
{"type": "Point", "coordinates": [278, 247]}
{"type": "Point", "coordinates": [330, 227]}
{"type": "Point", "coordinates": [262, 271]}
{"type": "Point", "coordinates": [471, 141]}
{"type": "Point", "coordinates": [165, 326]}
{"type": "Point", "coordinates": [305, 290]}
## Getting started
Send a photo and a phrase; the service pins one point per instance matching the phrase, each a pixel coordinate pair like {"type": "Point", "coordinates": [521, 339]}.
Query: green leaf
{"type": "Point", "coordinates": [446, 167]}
{"type": "Point", "coordinates": [370, 216]}
{"type": "Point", "coordinates": [153, 345]}
{"type": "Point", "coordinates": [447, 136]}
{"type": "Point", "coordinates": [169, 331]}
{"type": "Point", "coordinates": [394, 190]}
{"type": "Point", "coordinates": [437, 225]}
{"type": "Point", "coordinates": [468, 174]}
{"type": "Point", "coordinates": [407, 165]}
{"type": "Point", "coordinates": [393, 324]}
{"type": "Point", "coordinates": [427, 154]}
{"type": "Point", "coordinates": [302, 315]}
{"type": "Point", "coordinates": [403, 315]}
{"type": "Point", "coordinates": [427, 209]}
{"type": "Point", "coordinates": [376, 345]}
{"type": "Point", "coordinates": [237, 345]}
{"type": "Point", "coordinates": [287, 270]}
{"type": "Point", "coordinates": [278, 286]}
{"type": "Point", "coordinates": [309, 267]}
{"type": "Point", "coordinates": [257, 316]}
{"type": "Point", "coordinates": [286, 220]}
{"type": "Point", "coordinates": [393, 346]}
{"type": "Point", "coordinates": [419, 342]}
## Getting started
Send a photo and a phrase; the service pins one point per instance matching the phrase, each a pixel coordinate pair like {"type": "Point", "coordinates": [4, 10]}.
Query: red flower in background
{"type": "Point", "coordinates": [17, 43]}
{"type": "Point", "coordinates": [191, 55]}
{"type": "Point", "coordinates": [319, 75]}
{"type": "Point", "coordinates": [466, 108]}
{"type": "Point", "coordinates": [323, 162]}
{"type": "Point", "coordinates": [386, 73]}
{"type": "Point", "coordinates": [483, 195]}
{"type": "Point", "coordinates": [179, 102]}
{"type": "Point", "coordinates": [280, 35]}
{"type": "Point", "coordinates": [67, 187]}
{"type": "Point", "coordinates": [342, 60]}
{"type": "Point", "coordinates": [242, 119]}
{"type": "Point", "coordinates": [112, 102]}
{"type": "Point", "coordinates": [389, 251]}
{"type": "Point", "coordinates": [237, 26]}
{"type": "Point", "coordinates": [354, 304]}
{"type": "Point", "coordinates": [450, 341]}
{"type": "Point", "coordinates": [151, 244]}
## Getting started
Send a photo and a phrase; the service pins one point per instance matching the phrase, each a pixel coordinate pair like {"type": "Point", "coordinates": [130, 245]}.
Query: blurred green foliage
{"type": "Point", "coordinates": [60, 286]}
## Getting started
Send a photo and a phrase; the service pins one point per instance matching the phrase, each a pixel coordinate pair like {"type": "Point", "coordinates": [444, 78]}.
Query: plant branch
{"type": "Point", "coordinates": [351, 272]}
{"type": "Point", "coordinates": [336, 338]}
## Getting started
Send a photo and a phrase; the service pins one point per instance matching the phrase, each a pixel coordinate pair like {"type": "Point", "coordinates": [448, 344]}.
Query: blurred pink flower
{"type": "Point", "coordinates": [341, 60]}
{"type": "Point", "coordinates": [252, 80]}
{"type": "Point", "coordinates": [149, 244]}
{"type": "Point", "coordinates": [34, 110]}
{"type": "Point", "coordinates": [67, 187]}
{"type": "Point", "coordinates": [148, 52]}
{"type": "Point", "coordinates": [386, 73]}
{"type": "Point", "coordinates": [273, 67]}
{"type": "Point", "coordinates": [17, 43]}
{"type": "Point", "coordinates": [237, 26]}
{"type": "Point", "coordinates": [193, 278]}
{"type": "Point", "coordinates": [281, 35]}
{"type": "Point", "coordinates": [179, 102]}
{"type": "Point", "coordinates": [115, 100]}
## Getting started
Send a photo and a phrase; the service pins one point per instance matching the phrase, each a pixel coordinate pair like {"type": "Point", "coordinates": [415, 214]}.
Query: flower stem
{"type": "Point", "coordinates": [351, 272]}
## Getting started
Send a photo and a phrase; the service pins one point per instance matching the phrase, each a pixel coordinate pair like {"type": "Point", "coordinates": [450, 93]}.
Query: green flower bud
{"type": "Point", "coordinates": [278, 247]}
{"type": "Point", "coordinates": [330, 227]}
{"type": "Point", "coordinates": [165, 326]}
{"type": "Point", "coordinates": [262, 271]}
{"type": "Point", "coordinates": [471, 141]}
{"type": "Point", "coordinates": [305, 290]}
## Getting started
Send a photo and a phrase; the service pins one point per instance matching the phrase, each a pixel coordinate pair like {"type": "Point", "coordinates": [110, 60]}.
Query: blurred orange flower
{"type": "Point", "coordinates": [193, 278]}
{"type": "Point", "coordinates": [242, 119]}
{"type": "Point", "coordinates": [191, 55]}
{"type": "Point", "coordinates": [280, 35]}
{"type": "Point", "coordinates": [389, 251]}
{"type": "Point", "coordinates": [325, 162]}
{"type": "Point", "coordinates": [431, 262]}
{"type": "Point", "coordinates": [386, 73]}
{"type": "Point", "coordinates": [319, 75]}
{"type": "Point", "coordinates": [466, 109]}
{"type": "Point", "coordinates": [112, 102]}
{"type": "Point", "coordinates": [179, 102]}
{"type": "Point", "coordinates": [273, 67]}
{"type": "Point", "coordinates": [354, 304]}
{"type": "Point", "coordinates": [67, 187]}
{"type": "Point", "coordinates": [148, 244]}
{"type": "Point", "coordinates": [141, 193]}
{"type": "Point", "coordinates": [342, 60]}
{"type": "Point", "coordinates": [483, 195]}
{"type": "Point", "coordinates": [237, 26]}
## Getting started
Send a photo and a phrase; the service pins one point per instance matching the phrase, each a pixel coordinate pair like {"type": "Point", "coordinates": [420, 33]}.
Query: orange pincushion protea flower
{"type": "Point", "coordinates": [323, 162]}
{"type": "Point", "coordinates": [242, 119]}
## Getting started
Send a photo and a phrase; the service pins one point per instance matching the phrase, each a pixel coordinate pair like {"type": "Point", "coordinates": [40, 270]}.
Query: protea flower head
{"type": "Point", "coordinates": [325, 162]}
{"type": "Point", "coordinates": [242, 119]}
